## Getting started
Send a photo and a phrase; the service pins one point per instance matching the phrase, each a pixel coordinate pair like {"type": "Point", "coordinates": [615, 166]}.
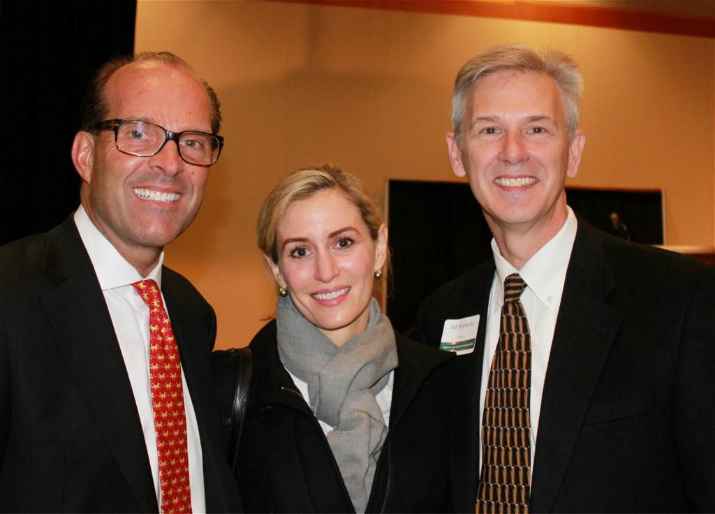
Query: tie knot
{"type": "Point", "coordinates": [148, 290]}
{"type": "Point", "coordinates": [514, 285]}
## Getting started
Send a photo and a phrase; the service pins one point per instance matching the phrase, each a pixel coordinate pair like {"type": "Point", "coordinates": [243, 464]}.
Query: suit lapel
{"type": "Point", "coordinates": [195, 338]}
{"type": "Point", "coordinates": [195, 345]}
{"type": "Point", "coordinates": [585, 329]}
{"type": "Point", "coordinates": [465, 395]}
{"type": "Point", "coordinates": [87, 341]}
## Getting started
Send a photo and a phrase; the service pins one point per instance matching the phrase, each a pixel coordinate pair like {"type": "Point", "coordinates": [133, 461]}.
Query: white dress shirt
{"type": "Point", "coordinates": [130, 317]}
{"type": "Point", "coordinates": [544, 274]}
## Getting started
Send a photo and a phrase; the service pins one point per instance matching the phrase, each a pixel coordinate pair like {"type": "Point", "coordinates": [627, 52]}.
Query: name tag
{"type": "Point", "coordinates": [460, 335]}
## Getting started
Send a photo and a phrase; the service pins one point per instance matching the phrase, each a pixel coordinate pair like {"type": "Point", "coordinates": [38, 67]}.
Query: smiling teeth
{"type": "Point", "coordinates": [148, 194]}
{"type": "Point", "coordinates": [515, 182]}
{"type": "Point", "coordinates": [330, 296]}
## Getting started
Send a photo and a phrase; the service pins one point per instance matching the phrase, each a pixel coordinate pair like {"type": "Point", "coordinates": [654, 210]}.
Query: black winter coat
{"type": "Point", "coordinates": [285, 462]}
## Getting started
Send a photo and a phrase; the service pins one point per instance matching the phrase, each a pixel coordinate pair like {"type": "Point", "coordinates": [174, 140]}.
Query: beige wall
{"type": "Point", "coordinates": [369, 90]}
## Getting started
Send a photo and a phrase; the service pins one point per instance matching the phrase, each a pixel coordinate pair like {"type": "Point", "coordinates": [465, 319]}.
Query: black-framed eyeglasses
{"type": "Point", "coordinates": [146, 139]}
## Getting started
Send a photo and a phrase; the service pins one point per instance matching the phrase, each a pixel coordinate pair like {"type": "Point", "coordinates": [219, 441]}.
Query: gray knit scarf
{"type": "Point", "coordinates": [342, 384]}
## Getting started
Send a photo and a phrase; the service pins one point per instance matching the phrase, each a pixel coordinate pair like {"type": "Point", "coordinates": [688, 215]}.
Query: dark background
{"type": "Point", "coordinates": [438, 232]}
{"type": "Point", "coordinates": [49, 49]}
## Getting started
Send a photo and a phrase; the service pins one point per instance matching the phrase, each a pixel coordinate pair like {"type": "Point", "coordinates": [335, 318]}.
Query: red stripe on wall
{"type": "Point", "coordinates": [594, 16]}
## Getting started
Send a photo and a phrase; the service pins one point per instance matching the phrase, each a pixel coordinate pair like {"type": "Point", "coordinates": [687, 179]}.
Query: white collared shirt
{"type": "Point", "coordinates": [544, 274]}
{"type": "Point", "coordinates": [130, 317]}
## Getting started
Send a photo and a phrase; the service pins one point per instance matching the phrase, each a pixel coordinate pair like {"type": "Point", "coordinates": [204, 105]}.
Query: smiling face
{"type": "Point", "coordinates": [327, 261]}
{"type": "Point", "coordinates": [516, 154]}
{"type": "Point", "coordinates": [141, 204]}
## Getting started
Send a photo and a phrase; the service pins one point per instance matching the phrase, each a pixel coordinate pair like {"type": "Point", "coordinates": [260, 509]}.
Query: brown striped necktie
{"type": "Point", "coordinates": [505, 482]}
{"type": "Point", "coordinates": [167, 398]}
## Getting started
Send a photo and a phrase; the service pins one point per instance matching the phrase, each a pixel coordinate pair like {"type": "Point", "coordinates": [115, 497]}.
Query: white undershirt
{"type": "Point", "coordinates": [544, 274]}
{"type": "Point", "coordinates": [383, 398]}
{"type": "Point", "coordinates": [130, 317]}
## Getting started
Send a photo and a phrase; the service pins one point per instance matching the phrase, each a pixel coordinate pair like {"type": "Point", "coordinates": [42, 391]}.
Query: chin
{"type": "Point", "coordinates": [332, 324]}
{"type": "Point", "coordinates": [162, 236]}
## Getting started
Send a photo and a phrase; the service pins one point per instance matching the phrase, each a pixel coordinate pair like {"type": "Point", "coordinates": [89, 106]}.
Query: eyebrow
{"type": "Point", "coordinates": [341, 230]}
{"type": "Point", "coordinates": [335, 233]}
{"type": "Point", "coordinates": [293, 240]}
{"type": "Point", "coordinates": [540, 117]}
{"type": "Point", "coordinates": [146, 119]}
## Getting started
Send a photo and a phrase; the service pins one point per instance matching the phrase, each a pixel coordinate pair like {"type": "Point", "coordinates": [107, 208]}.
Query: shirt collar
{"type": "Point", "coordinates": [111, 268]}
{"type": "Point", "coordinates": [545, 272]}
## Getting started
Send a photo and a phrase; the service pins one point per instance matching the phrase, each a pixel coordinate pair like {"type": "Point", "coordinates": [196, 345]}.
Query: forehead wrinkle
{"type": "Point", "coordinates": [494, 118]}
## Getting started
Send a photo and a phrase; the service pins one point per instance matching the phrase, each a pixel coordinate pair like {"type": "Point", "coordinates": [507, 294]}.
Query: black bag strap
{"type": "Point", "coordinates": [240, 399]}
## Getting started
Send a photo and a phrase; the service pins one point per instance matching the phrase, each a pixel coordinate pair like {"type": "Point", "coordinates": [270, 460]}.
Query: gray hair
{"type": "Point", "coordinates": [557, 65]}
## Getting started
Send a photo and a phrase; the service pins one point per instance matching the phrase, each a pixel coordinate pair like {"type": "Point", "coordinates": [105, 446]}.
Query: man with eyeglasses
{"type": "Point", "coordinates": [93, 416]}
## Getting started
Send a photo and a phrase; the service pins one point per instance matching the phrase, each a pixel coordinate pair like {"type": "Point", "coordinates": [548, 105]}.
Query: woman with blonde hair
{"type": "Point", "coordinates": [343, 414]}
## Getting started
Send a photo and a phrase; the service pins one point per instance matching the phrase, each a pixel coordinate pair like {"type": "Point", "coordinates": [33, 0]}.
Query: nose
{"type": "Point", "coordinates": [513, 148]}
{"type": "Point", "coordinates": [168, 159]}
{"type": "Point", "coordinates": [326, 268]}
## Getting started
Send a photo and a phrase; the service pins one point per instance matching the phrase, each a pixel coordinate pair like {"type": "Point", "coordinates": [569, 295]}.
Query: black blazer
{"type": "Point", "coordinates": [627, 418]}
{"type": "Point", "coordinates": [70, 435]}
{"type": "Point", "coordinates": [285, 462]}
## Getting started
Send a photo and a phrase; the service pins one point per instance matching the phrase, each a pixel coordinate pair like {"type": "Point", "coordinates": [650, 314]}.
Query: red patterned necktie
{"type": "Point", "coordinates": [167, 397]}
{"type": "Point", "coordinates": [505, 481]}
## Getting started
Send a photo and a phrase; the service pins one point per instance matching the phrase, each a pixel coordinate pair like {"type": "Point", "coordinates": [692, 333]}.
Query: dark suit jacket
{"type": "Point", "coordinates": [70, 435]}
{"type": "Point", "coordinates": [627, 418]}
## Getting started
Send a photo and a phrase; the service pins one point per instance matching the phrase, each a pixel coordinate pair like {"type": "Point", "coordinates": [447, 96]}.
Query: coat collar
{"type": "Point", "coordinates": [276, 385]}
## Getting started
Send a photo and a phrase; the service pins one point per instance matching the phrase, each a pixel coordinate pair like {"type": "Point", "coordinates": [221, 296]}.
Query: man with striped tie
{"type": "Point", "coordinates": [585, 361]}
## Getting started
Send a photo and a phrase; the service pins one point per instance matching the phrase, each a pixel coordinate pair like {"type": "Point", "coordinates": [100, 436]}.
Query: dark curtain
{"type": "Point", "coordinates": [49, 51]}
{"type": "Point", "coordinates": [438, 232]}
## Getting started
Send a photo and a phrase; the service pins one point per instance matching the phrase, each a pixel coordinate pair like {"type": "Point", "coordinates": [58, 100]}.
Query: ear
{"type": "Point", "coordinates": [575, 151]}
{"type": "Point", "coordinates": [455, 155]}
{"type": "Point", "coordinates": [83, 154]}
{"type": "Point", "coordinates": [381, 247]}
{"type": "Point", "coordinates": [277, 275]}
